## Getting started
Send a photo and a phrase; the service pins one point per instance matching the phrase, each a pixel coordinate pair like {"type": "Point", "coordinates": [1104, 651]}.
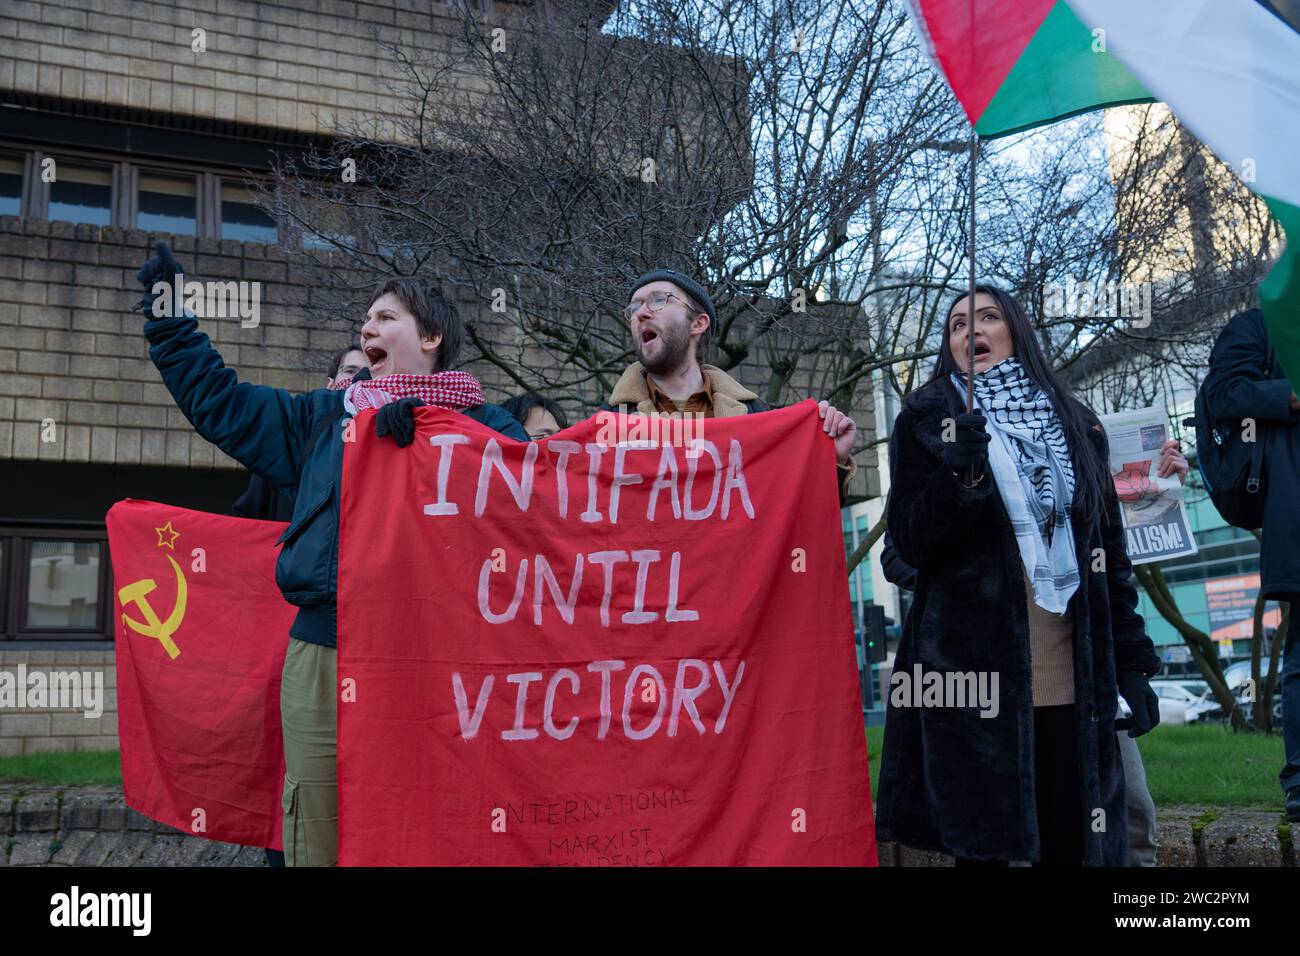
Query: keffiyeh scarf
{"type": "Point", "coordinates": [1030, 461]}
{"type": "Point", "coordinates": [454, 390]}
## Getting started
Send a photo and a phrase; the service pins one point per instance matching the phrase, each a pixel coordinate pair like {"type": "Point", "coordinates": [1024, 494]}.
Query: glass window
{"type": "Point", "coordinates": [242, 219]}
{"type": "Point", "coordinates": [81, 194]}
{"type": "Point", "coordinates": [11, 186]}
{"type": "Point", "coordinates": [63, 584]}
{"type": "Point", "coordinates": [328, 230]}
{"type": "Point", "coordinates": [167, 204]}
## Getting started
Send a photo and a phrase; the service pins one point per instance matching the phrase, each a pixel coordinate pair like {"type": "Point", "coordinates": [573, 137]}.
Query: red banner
{"type": "Point", "coordinates": [201, 637]}
{"type": "Point", "coordinates": [608, 648]}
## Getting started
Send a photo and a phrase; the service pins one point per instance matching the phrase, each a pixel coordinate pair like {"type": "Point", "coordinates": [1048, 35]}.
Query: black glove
{"type": "Point", "coordinates": [398, 419]}
{"type": "Point", "coordinates": [161, 267]}
{"type": "Point", "coordinates": [1141, 699]}
{"type": "Point", "coordinates": [970, 447]}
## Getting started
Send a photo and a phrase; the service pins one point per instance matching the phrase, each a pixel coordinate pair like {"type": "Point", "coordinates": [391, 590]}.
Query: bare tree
{"type": "Point", "coordinates": [545, 163]}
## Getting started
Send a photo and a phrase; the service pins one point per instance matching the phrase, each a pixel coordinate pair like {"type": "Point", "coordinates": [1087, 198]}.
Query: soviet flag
{"type": "Point", "coordinates": [201, 638]}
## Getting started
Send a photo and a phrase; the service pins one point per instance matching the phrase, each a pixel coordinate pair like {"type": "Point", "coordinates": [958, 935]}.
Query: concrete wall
{"type": "Point", "coordinates": [293, 64]}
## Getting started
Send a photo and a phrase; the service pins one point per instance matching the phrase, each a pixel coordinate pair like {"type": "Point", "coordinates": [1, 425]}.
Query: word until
{"type": "Point", "coordinates": [544, 580]}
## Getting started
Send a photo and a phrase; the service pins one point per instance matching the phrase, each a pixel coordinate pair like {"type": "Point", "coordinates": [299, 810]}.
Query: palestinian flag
{"type": "Point", "coordinates": [1229, 70]}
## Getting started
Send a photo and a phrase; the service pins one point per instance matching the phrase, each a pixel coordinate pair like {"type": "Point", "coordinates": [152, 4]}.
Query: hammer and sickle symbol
{"type": "Point", "coordinates": [137, 593]}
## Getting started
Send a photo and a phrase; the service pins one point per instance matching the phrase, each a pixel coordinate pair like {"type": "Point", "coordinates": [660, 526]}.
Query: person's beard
{"type": "Point", "coordinates": [674, 346]}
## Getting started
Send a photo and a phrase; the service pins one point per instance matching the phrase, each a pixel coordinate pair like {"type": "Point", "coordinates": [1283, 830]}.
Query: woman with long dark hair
{"type": "Point", "coordinates": [1000, 734]}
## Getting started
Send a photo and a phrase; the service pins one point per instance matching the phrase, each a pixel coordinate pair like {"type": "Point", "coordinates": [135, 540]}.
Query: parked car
{"type": "Point", "coordinates": [1236, 677]}
{"type": "Point", "coordinates": [1184, 702]}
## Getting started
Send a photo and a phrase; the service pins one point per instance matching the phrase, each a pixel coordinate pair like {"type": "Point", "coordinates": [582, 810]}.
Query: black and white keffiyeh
{"type": "Point", "coordinates": [1030, 461]}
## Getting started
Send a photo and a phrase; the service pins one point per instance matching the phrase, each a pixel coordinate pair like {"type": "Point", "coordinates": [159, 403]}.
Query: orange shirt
{"type": "Point", "coordinates": [701, 403]}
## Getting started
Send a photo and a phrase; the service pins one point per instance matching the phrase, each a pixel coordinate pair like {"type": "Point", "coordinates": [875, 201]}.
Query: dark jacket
{"type": "Point", "coordinates": [267, 430]}
{"type": "Point", "coordinates": [264, 501]}
{"type": "Point", "coordinates": [1239, 385]}
{"type": "Point", "coordinates": [897, 571]}
{"type": "Point", "coordinates": [954, 781]}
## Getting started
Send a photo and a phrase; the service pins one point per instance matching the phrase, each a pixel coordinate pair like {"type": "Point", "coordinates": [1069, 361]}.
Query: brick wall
{"type": "Point", "coordinates": [70, 351]}
{"type": "Point", "coordinates": [293, 64]}
{"type": "Point", "coordinates": [54, 730]}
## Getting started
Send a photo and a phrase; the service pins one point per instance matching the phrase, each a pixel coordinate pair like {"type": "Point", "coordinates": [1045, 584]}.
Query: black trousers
{"type": "Point", "coordinates": [1056, 790]}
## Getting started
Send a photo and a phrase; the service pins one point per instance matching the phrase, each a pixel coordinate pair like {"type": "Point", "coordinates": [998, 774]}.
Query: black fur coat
{"type": "Point", "coordinates": [951, 780]}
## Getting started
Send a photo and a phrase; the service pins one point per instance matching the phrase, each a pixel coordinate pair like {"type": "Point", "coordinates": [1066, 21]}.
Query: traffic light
{"type": "Point", "coordinates": [873, 632]}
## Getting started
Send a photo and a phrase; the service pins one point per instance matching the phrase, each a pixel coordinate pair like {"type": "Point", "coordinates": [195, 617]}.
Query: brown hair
{"type": "Point", "coordinates": [434, 315]}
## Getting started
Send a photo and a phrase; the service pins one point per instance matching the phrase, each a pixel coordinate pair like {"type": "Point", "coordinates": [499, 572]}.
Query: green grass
{"type": "Point", "coordinates": [1206, 766]}
{"type": "Point", "coordinates": [64, 769]}
{"type": "Point", "coordinates": [1211, 766]}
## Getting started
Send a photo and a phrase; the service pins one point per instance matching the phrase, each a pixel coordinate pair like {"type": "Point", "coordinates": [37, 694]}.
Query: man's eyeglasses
{"type": "Point", "coordinates": [656, 302]}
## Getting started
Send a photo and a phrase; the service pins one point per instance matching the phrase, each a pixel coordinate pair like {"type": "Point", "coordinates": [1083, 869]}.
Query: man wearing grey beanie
{"type": "Point", "coordinates": [671, 319]}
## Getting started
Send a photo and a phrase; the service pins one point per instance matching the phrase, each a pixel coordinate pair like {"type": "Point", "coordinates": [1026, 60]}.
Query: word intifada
{"type": "Point", "coordinates": [644, 682]}
{"type": "Point", "coordinates": [655, 475]}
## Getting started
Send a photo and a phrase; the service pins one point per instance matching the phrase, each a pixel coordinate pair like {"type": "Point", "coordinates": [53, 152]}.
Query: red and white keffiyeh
{"type": "Point", "coordinates": [454, 390]}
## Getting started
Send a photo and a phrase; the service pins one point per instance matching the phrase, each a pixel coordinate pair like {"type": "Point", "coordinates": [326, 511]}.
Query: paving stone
{"type": "Point", "coordinates": [113, 813]}
{"type": "Point", "coordinates": [31, 849]}
{"type": "Point", "coordinates": [94, 827]}
{"type": "Point", "coordinates": [163, 852]}
{"type": "Point", "coordinates": [100, 848]}
{"type": "Point", "coordinates": [220, 854]}
{"type": "Point", "coordinates": [131, 848]}
{"type": "Point", "coordinates": [73, 844]}
{"type": "Point", "coordinates": [1175, 841]}
{"type": "Point", "coordinates": [37, 813]}
{"type": "Point", "coordinates": [192, 849]}
{"type": "Point", "coordinates": [250, 856]}
{"type": "Point", "coordinates": [1242, 838]}
{"type": "Point", "coordinates": [81, 811]}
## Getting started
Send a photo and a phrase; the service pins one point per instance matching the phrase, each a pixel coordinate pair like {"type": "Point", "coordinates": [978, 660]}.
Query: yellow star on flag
{"type": "Point", "coordinates": [167, 530]}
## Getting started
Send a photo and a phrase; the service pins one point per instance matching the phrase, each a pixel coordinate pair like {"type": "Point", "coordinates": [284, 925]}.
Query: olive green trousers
{"type": "Point", "coordinates": [308, 709]}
